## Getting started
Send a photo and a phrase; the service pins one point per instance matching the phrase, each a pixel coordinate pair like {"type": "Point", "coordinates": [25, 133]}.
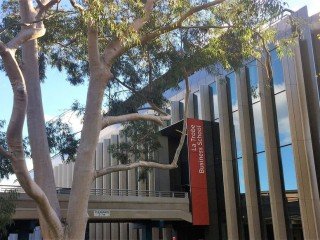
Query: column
{"type": "Point", "coordinates": [151, 179]}
{"type": "Point", "coordinates": [302, 145]}
{"type": "Point", "coordinates": [132, 187]}
{"type": "Point", "coordinates": [251, 178]}
{"type": "Point", "coordinates": [99, 186]}
{"type": "Point", "coordinates": [204, 103]}
{"type": "Point", "coordinates": [228, 164]}
{"type": "Point", "coordinates": [106, 183]}
{"type": "Point", "coordinates": [276, 185]}
{"type": "Point", "coordinates": [56, 175]}
{"type": "Point", "coordinates": [174, 112]}
{"type": "Point", "coordinates": [123, 186]}
{"type": "Point", "coordinates": [191, 106]}
{"type": "Point", "coordinates": [309, 52]}
{"type": "Point", "coordinates": [115, 187]}
{"type": "Point", "coordinates": [155, 233]}
{"type": "Point", "coordinates": [167, 233]}
{"type": "Point", "coordinates": [64, 175]}
{"type": "Point", "coordinates": [92, 231]}
{"type": "Point", "coordinates": [60, 175]}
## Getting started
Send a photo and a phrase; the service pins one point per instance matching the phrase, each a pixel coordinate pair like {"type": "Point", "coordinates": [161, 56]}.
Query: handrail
{"type": "Point", "coordinates": [108, 192]}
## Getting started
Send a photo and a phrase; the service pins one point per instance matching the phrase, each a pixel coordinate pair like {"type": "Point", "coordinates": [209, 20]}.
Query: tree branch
{"type": "Point", "coordinates": [77, 6]}
{"type": "Point", "coordinates": [153, 105]}
{"type": "Point", "coordinates": [25, 35]}
{"type": "Point", "coordinates": [14, 139]}
{"type": "Point", "coordinates": [111, 120]}
{"type": "Point", "coordinates": [178, 24]}
{"type": "Point", "coordinates": [173, 164]}
{"type": "Point", "coordinates": [115, 48]}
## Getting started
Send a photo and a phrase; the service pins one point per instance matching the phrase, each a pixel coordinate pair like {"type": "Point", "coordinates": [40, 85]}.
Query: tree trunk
{"type": "Point", "coordinates": [43, 171]}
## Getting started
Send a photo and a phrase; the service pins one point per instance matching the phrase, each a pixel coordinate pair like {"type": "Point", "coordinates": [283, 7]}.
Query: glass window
{"type": "Point", "coordinates": [289, 173]}
{"type": "Point", "coordinates": [196, 105]}
{"type": "Point", "coordinates": [283, 119]}
{"type": "Point", "coordinates": [237, 136]}
{"type": "Point", "coordinates": [214, 101]}
{"type": "Point", "coordinates": [233, 91]}
{"type": "Point", "coordinates": [241, 175]}
{"type": "Point", "coordinates": [277, 71]}
{"type": "Point", "coordinates": [263, 171]}
{"type": "Point", "coordinates": [258, 127]}
{"type": "Point", "coordinates": [181, 109]}
{"type": "Point", "coordinates": [252, 75]}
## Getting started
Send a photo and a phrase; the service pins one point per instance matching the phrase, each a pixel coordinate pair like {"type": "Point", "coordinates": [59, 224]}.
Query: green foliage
{"type": "Point", "coordinates": [7, 209]}
{"type": "Point", "coordinates": [5, 164]}
{"type": "Point", "coordinates": [139, 142]}
{"type": "Point", "coordinates": [61, 140]}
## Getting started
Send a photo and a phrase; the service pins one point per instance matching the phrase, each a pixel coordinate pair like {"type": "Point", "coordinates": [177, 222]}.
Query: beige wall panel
{"type": "Point", "coordinates": [301, 142]}
{"type": "Point", "coordinates": [204, 103]}
{"type": "Point", "coordinates": [227, 163]}
{"type": "Point", "coordinates": [106, 179]}
{"type": "Point", "coordinates": [174, 112]}
{"type": "Point", "coordinates": [248, 156]}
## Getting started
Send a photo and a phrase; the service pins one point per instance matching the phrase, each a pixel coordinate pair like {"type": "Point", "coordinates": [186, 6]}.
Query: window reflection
{"type": "Point", "coordinates": [196, 105]}
{"type": "Point", "coordinates": [277, 71]}
{"type": "Point", "coordinates": [289, 173]}
{"type": "Point", "coordinates": [283, 119]}
{"type": "Point", "coordinates": [237, 136]}
{"type": "Point", "coordinates": [258, 127]}
{"type": "Point", "coordinates": [241, 175]}
{"type": "Point", "coordinates": [252, 75]}
{"type": "Point", "coordinates": [181, 109]}
{"type": "Point", "coordinates": [263, 171]}
{"type": "Point", "coordinates": [233, 91]}
{"type": "Point", "coordinates": [214, 101]}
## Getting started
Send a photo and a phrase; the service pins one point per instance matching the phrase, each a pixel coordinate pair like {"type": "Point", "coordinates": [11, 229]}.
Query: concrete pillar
{"type": "Point", "coordinates": [191, 106]}
{"type": "Point", "coordinates": [92, 231]}
{"type": "Point", "coordinates": [106, 184]}
{"type": "Point", "coordinates": [276, 185]}
{"type": "Point", "coordinates": [302, 145]}
{"type": "Point", "coordinates": [123, 186]}
{"type": "Point", "coordinates": [60, 175]}
{"type": "Point", "coordinates": [64, 175]}
{"type": "Point", "coordinates": [106, 231]}
{"type": "Point", "coordinates": [251, 178]}
{"type": "Point", "coordinates": [133, 232]}
{"type": "Point", "coordinates": [106, 179]}
{"type": "Point", "coordinates": [123, 174]}
{"type": "Point", "coordinates": [228, 164]}
{"type": "Point", "coordinates": [98, 185]}
{"type": "Point", "coordinates": [69, 174]}
{"type": "Point", "coordinates": [174, 112]}
{"type": "Point", "coordinates": [167, 233]}
{"type": "Point", "coordinates": [114, 176]}
{"type": "Point", "coordinates": [204, 103]}
{"type": "Point", "coordinates": [142, 184]}
{"type": "Point", "coordinates": [123, 231]}
{"type": "Point", "coordinates": [151, 179]}
{"type": "Point", "coordinates": [99, 165]}
{"type": "Point", "coordinates": [309, 53]}
{"type": "Point", "coordinates": [155, 233]}
{"type": "Point", "coordinates": [114, 186]}
{"type": "Point", "coordinates": [162, 177]}
{"type": "Point", "coordinates": [56, 175]}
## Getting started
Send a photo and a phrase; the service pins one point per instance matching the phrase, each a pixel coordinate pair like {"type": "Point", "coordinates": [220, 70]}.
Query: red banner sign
{"type": "Point", "coordinates": [198, 173]}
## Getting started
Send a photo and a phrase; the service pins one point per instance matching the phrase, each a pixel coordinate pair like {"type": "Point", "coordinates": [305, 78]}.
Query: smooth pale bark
{"type": "Point", "coordinates": [43, 172]}
{"type": "Point", "coordinates": [84, 165]}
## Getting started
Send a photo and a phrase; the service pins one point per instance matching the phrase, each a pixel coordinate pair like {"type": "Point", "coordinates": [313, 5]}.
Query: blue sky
{"type": "Point", "coordinates": [58, 94]}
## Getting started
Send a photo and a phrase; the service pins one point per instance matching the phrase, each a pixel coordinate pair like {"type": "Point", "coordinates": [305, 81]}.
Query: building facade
{"type": "Point", "coordinates": [263, 150]}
